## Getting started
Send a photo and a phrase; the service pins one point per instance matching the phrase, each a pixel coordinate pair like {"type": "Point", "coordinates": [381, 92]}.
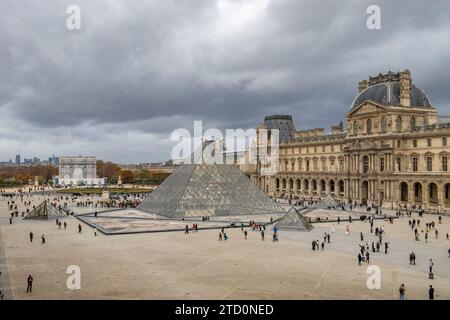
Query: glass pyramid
{"type": "Point", "coordinates": [45, 210]}
{"type": "Point", "coordinates": [328, 202]}
{"type": "Point", "coordinates": [200, 190]}
{"type": "Point", "coordinates": [293, 220]}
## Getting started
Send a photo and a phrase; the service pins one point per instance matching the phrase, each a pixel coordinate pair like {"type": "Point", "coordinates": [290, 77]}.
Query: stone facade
{"type": "Point", "coordinates": [395, 152]}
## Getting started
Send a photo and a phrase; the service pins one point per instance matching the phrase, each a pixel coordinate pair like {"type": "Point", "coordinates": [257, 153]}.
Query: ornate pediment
{"type": "Point", "coordinates": [367, 107]}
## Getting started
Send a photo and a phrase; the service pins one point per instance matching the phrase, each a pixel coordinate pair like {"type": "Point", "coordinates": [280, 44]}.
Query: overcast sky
{"type": "Point", "coordinates": [137, 70]}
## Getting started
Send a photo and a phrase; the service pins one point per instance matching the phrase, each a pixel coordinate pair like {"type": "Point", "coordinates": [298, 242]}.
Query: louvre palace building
{"type": "Point", "coordinates": [394, 151]}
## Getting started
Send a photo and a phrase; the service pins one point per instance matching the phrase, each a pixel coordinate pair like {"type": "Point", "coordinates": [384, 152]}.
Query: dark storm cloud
{"type": "Point", "coordinates": [139, 69]}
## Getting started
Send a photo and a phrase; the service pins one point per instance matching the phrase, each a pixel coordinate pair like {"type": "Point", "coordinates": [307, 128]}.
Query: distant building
{"type": "Point", "coordinates": [17, 159]}
{"type": "Point", "coordinates": [78, 171]}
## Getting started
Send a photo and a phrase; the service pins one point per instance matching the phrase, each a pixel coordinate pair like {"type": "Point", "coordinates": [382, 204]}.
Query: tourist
{"type": "Point", "coordinates": [359, 258]}
{"type": "Point", "coordinates": [328, 238]}
{"type": "Point", "coordinates": [322, 245]}
{"type": "Point", "coordinates": [367, 256]}
{"type": "Point", "coordinates": [373, 246]}
{"type": "Point", "coordinates": [361, 236]}
{"type": "Point", "coordinates": [339, 220]}
{"type": "Point", "coordinates": [220, 236]}
{"type": "Point", "coordinates": [412, 258]}
{"type": "Point", "coordinates": [347, 230]}
{"type": "Point", "coordinates": [43, 239]}
{"type": "Point", "coordinates": [378, 246]}
{"type": "Point", "coordinates": [313, 244]}
{"type": "Point", "coordinates": [79, 228]}
{"type": "Point", "coordinates": [402, 291]}
{"type": "Point", "coordinates": [431, 292]}
{"type": "Point", "coordinates": [386, 246]}
{"type": "Point", "coordinates": [262, 235]}
{"type": "Point", "coordinates": [29, 283]}
{"type": "Point", "coordinates": [245, 234]}
{"type": "Point", "coordinates": [225, 236]}
{"type": "Point", "coordinates": [430, 265]}
{"type": "Point", "coordinates": [31, 236]}
{"type": "Point", "coordinates": [95, 231]}
{"type": "Point", "coordinates": [65, 225]}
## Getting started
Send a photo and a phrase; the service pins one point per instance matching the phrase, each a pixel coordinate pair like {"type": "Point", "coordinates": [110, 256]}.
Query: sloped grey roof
{"type": "Point", "coordinates": [388, 94]}
{"type": "Point", "coordinates": [284, 124]}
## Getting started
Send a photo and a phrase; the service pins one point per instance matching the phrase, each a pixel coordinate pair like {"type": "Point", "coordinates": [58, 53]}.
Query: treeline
{"type": "Point", "coordinates": [112, 171]}
{"type": "Point", "coordinates": [13, 176]}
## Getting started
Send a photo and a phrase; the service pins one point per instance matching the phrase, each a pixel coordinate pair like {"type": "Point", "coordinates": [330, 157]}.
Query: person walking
{"type": "Point", "coordinates": [31, 236]}
{"type": "Point", "coordinates": [361, 236]}
{"type": "Point", "coordinates": [430, 265]}
{"type": "Point", "coordinates": [431, 292]}
{"type": "Point", "coordinates": [65, 225]}
{"type": "Point", "coordinates": [79, 228]}
{"type": "Point", "coordinates": [386, 246]}
{"type": "Point", "coordinates": [220, 236]}
{"type": "Point", "coordinates": [402, 291]}
{"type": "Point", "coordinates": [262, 235]}
{"type": "Point", "coordinates": [245, 234]}
{"type": "Point", "coordinates": [29, 283]}
{"type": "Point", "coordinates": [367, 256]}
{"type": "Point", "coordinates": [412, 258]}
{"type": "Point", "coordinates": [186, 231]}
{"type": "Point", "coordinates": [43, 239]}
{"type": "Point", "coordinates": [359, 258]}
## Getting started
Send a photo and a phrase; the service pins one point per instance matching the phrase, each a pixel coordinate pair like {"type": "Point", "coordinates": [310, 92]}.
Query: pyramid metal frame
{"type": "Point", "coordinates": [195, 190]}
{"type": "Point", "coordinates": [293, 221]}
{"type": "Point", "coordinates": [45, 210]}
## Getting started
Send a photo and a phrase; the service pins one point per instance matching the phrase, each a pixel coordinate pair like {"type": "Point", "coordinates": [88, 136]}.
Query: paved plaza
{"type": "Point", "coordinates": [174, 265]}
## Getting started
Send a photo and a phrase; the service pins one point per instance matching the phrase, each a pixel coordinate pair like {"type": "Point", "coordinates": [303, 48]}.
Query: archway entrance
{"type": "Point", "coordinates": [403, 191]}
{"type": "Point", "coordinates": [417, 192]}
{"type": "Point", "coordinates": [364, 192]}
{"type": "Point", "coordinates": [447, 195]}
{"type": "Point", "coordinates": [433, 194]}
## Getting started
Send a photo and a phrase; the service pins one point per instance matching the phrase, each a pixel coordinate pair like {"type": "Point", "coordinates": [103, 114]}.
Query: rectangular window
{"type": "Point", "coordinates": [444, 164]}
{"type": "Point", "coordinates": [415, 164]}
{"type": "Point", "coordinates": [429, 143]}
{"type": "Point", "coordinates": [444, 142]}
{"type": "Point", "coordinates": [381, 164]}
{"type": "Point", "coordinates": [415, 143]}
{"type": "Point", "coordinates": [429, 164]}
{"type": "Point", "coordinates": [399, 164]}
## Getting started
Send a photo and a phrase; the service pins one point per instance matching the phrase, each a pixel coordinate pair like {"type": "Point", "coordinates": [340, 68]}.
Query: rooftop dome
{"type": "Point", "coordinates": [384, 89]}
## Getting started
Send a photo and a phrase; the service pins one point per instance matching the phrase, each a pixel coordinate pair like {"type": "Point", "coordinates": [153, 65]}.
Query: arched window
{"type": "Point", "coordinates": [398, 124]}
{"type": "Point", "coordinates": [369, 126]}
{"type": "Point", "coordinates": [355, 127]}
{"type": "Point", "coordinates": [383, 125]}
{"type": "Point", "coordinates": [412, 123]}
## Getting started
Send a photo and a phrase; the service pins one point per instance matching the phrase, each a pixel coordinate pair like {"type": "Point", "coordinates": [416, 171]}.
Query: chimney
{"type": "Point", "coordinates": [405, 88]}
{"type": "Point", "coordinates": [336, 129]}
{"type": "Point", "coordinates": [362, 85]}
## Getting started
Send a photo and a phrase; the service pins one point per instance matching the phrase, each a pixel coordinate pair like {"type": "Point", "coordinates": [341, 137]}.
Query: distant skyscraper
{"type": "Point", "coordinates": [17, 158]}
